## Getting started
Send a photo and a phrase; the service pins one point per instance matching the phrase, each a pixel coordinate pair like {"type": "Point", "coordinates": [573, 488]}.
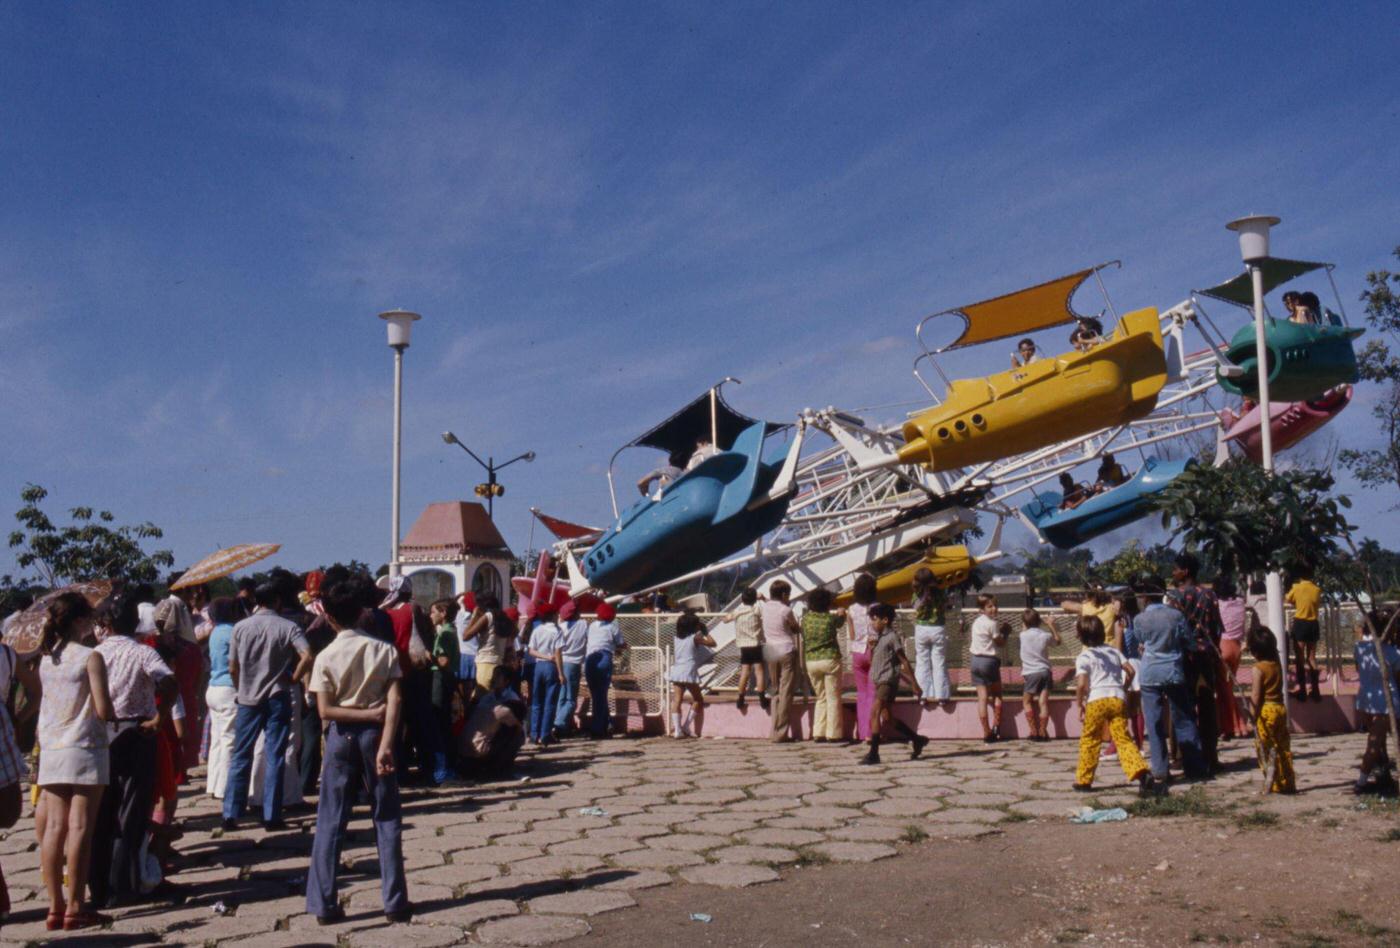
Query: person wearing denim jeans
{"type": "Point", "coordinates": [545, 648]}
{"type": "Point", "coordinates": [573, 644]}
{"type": "Point", "coordinates": [272, 718]}
{"type": "Point", "coordinates": [604, 640]}
{"type": "Point", "coordinates": [1165, 637]}
{"type": "Point", "coordinates": [262, 652]}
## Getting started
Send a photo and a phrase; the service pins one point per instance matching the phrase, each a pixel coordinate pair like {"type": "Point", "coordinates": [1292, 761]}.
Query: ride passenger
{"type": "Point", "coordinates": [1290, 303]}
{"type": "Point", "coordinates": [1087, 334]}
{"type": "Point", "coordinates": [1110, 474]}
{"type": "Point", "coordinates": [663, 476]}
{"type": "Point", "coordinates": [1025, 354]}
{"type": "Point", "coordinates": [704, 450]}
{"type": "Point", "coordinates": [1309, 310]}
{"type": "Point", "coordinates": [1072, 493]}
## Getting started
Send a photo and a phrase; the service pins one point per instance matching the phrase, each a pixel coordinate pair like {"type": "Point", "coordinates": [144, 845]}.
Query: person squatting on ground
{"type": "Point", "coordinates": [821, 630]}
{"type": "Point", "coordinates": [1101, 675]}
{"type": "Point", "coordinates": [1266, 707]}
{"type": "Point", "coordinates": [74, 705]}
{"type": "Point", "coordinates": [987, 637]}
{"type": "Point", "coordinates": [780, 634]}
{"type": "Point", "coordinates": [1037, 678]}
{"type": "Point", "coordinates": [887, 664]}
{"type": "Point", "coordinates": [685, 673]}
{"type": "Point", "coordinates": [1375, 774]}
{"type": "Point", "coordinates": [358, 684]}
{"type": "Point", "coordinates": [604, 643]}
{"type": "Point", "coordinates": [1304, 596]}
{"type": "Point", "coordinates": [748, 639]}
{"type": "Point", "coordinates": [494, 730]}
{"type": "Point", "coordinates": [930, 637]}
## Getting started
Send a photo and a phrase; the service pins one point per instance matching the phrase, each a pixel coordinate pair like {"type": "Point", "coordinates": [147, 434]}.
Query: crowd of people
{"type": "Point", "coordinates": [334, 686]}
{"type": "Point", "coordinates": [1158, 667]}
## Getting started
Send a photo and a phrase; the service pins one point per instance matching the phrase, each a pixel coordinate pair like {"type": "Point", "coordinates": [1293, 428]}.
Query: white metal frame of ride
{"type": "Point", "coordinates": [854, 502]}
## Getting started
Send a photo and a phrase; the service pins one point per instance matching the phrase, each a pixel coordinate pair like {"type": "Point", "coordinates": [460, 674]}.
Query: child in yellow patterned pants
{"type": "Point", "coordinates": [1101, 675]}
{"type": "Point", "coordinates": [1270, 716]}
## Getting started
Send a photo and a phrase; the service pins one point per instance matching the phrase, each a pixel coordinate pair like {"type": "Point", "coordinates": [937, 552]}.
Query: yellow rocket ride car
{"type": "Point", "coordinates": [1049, 400]}
{"type": "Point", "coordinates": [950, 565]}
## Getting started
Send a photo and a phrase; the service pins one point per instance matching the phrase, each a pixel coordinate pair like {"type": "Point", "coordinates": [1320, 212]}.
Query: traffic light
{"type": "Point", "coordinates": [490, 490]}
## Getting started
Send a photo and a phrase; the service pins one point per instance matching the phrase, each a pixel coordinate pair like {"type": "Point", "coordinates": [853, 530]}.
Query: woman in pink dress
{"type": "Point", "coordinates": [859, 634]}
{"type": "Point", "coordinates": [1234, 623]}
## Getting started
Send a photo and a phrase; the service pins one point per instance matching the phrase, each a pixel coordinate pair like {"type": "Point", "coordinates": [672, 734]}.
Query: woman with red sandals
{"type": "Point", "coordinates": [73, 759]}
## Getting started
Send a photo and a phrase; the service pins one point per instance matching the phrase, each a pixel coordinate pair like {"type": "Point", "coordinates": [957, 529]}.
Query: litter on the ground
{"type": "Point", "coordinates": [592, 811]}
{"type": "Point", "coordinates": [701, 917]}
{"type": "Point", "coordinates": [220, 908]}
{"type": "Point", "coordinates": [1089, 815]}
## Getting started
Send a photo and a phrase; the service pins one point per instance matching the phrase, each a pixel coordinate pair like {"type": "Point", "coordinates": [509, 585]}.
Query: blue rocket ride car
{"type": "Point", "coordinates": [1102, 512]}
{"type": "Point", "coordinates": [711, 511]}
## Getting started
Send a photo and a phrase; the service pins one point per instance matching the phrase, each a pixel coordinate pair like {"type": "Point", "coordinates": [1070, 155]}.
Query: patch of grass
{"type": "Point", "coordinates": [1219, 938]}
{"type": "Point", "coordinates": [810, 857]}
{"type": "Point", "coordinates": [913, 833]}
{"type": "Point", "coordinates": [1354, 924]}
{"type": "Point", "coordinates": [1391, 835]}
{"type": "Point", "coordinates": [1072, 936]}
{"type": "Point", "coordinates": [1330, 823]}
{"type": "Point", "coordinates": [1191, 803]}
{"type": "Point", "coordinates": [1256, 819]}
{"type": "Point", "coordinates": [1310, 940]}
{"type": "Point", "coordinates": [1015, 816]}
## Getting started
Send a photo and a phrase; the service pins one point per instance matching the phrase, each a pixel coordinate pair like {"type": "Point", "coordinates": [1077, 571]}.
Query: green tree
{"type": "Point", "coordinates": [1050, 568]}
{"type": "Point", "coordinates": [1134, 561]}
{"type": "Point", "coordinates": [90, 547]}
{"type": "Point", "coordinates": [1243, 521]}
{"type": "Point", "coordinates": [1380, 467]}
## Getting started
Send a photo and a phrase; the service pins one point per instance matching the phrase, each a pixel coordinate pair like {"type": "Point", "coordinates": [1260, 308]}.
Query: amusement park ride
{"type": "Point", "coordinates": [846, 496]}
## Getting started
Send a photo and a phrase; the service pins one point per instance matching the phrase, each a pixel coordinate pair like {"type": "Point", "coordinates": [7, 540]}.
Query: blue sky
{"type": "Point", "coordinates": [599, 209]}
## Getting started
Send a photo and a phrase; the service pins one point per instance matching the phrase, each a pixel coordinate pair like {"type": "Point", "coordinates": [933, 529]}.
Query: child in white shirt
{"type": "Point", "coordinates": [1101, 676]}
{"type": "Point", "coordinates": [1036, 677]}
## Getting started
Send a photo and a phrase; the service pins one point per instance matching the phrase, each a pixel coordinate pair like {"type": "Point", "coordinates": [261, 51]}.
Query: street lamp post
{"type": "Point", "coordinates": [1254, 249]}
{"type": "Point", "coordinates": [399, 324]}
{"type": "Point", "coordinates": [490, 489]}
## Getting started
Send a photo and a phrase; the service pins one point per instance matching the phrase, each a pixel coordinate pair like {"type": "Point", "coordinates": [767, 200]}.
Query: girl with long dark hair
{"type": "Point", "coordinates": [73, 757]}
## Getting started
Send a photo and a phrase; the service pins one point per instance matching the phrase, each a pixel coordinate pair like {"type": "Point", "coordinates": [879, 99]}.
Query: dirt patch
{"type": "Point", "coordinates": [1320, 877]}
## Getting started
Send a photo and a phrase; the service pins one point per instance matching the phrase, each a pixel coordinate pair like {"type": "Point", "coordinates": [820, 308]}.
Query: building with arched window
{"type": "Point", "coordinates": [453, 548]}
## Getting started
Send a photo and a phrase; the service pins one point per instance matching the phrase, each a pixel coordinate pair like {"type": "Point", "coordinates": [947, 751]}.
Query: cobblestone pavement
{"type": "Point", "coordinates": [528, 861]}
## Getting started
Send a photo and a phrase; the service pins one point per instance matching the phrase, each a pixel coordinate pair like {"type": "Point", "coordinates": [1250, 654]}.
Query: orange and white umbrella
{"type": "Point", "coordinates": [228, 560]}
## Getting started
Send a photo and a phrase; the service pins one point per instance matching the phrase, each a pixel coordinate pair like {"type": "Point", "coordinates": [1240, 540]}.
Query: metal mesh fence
{"type": "Point", "coordinates": [654, 633]}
